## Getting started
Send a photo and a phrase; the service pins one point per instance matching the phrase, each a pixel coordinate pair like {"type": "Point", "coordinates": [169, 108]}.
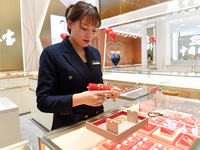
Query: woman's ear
{"type": "Point", "coordinates": [69, 24]}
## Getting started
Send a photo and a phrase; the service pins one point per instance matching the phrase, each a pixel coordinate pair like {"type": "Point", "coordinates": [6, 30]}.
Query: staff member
{"type": "Point", "coordinates": [68, 67]}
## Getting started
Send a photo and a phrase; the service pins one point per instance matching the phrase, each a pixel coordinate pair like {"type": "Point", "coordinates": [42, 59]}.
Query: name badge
{"type": "Point", "coordinates": [95, 62]}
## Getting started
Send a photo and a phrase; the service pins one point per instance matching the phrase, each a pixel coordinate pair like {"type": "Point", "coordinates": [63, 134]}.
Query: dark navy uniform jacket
{"type": "Point", "coordinates": [62, 73]}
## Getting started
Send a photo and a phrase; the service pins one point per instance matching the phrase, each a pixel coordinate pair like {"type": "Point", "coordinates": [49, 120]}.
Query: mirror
{"type": "Point", "coordinates": [151, 45]}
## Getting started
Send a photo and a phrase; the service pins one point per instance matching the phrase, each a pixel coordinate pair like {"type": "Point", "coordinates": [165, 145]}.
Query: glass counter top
{"type": "Point", "coordinates": [24, 145]}
{"type": "Point", "coordinates": [155, 72]}
{"type": "Point", "coordinates": [176, 127]}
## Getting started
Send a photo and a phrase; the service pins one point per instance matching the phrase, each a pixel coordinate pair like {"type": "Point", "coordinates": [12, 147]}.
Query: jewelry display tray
{"type": "Point", "coordinates": [114, 131]}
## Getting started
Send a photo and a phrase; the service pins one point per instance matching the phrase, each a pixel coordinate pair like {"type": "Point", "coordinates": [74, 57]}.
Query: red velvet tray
{"type": "Point", "coordinates": [115, 131]}
{"type": "Point", "coordinates": [185, 141]}
{"type": "Point", "coordinates": [148, 129]}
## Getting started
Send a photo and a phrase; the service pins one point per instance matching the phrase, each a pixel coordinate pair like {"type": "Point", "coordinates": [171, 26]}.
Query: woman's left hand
{"type": "Point", "coordinates": [115, 92]}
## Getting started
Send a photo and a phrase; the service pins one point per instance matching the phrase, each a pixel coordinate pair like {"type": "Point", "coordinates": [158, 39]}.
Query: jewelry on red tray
{"type": "Point", "coordinates": [154, 114]}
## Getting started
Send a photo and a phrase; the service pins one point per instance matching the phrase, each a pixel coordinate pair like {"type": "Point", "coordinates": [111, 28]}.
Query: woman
{"type": "Point", "coordinates": [68, 67]}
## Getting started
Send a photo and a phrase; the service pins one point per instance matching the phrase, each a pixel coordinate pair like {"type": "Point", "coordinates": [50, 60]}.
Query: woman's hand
{"type": "Point", "coordinates": [91, 98]}
{"type": "Point", "coordinates": [115, 92]}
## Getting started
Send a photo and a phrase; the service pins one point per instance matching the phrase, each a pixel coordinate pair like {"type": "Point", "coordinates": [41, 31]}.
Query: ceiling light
{"type": "Point", "coordinates": [127, 29]}
{"type": "Point", "coordinates": [182, 25]}
{"type": "Point", "coordinates": [153, 24]}
{"type": "Point", "coordinates": [177, 28]}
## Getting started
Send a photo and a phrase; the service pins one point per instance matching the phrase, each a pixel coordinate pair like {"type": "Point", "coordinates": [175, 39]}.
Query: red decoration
{"type": "Point", "coordinates": [153, 39]}
{"type": "Point", "coordinates": [110, 33]}
{"type": "Point", "coordinates": [98, 87]}
{"type": "Point", "coordinates": [63, 35]}
{"type": "Point", "coordinates": [8, 74]}
{"type": "Point", "coordinates": [107, 30]}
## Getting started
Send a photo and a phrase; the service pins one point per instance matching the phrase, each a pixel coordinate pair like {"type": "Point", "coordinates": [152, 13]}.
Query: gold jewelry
{"type": "Point", "coordinates": [119, 119]}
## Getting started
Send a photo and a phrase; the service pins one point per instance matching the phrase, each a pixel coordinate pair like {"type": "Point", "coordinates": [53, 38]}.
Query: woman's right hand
{"type": "Point", "coordinates": [91, 98]}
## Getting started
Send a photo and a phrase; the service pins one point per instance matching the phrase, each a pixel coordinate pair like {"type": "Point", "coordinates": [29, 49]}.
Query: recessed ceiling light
{"type": "Point", "coordinates": [182, 25]}
{"type": "Point", "coordinates": [153, 24]}
{"type": "Point", "coordinates": [127, 29]}
{"type": "Point", "coordinates": [177, 28]}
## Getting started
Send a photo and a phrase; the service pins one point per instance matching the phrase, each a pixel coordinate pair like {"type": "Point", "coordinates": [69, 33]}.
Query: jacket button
{"type": "Point", "coordinates": [70, 77]}
{"type": "Point", "coordinates": [86, 116]}
{"type": "Point", "coordinates": [97, 112]}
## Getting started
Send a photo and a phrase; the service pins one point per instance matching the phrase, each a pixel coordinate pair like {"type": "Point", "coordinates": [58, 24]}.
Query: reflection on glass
{"type": "Point", "coordinates": [151, 45]}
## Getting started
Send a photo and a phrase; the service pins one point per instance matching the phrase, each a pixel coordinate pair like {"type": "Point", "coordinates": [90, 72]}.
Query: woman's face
{"type": "Point", "coordinates": [82, 34]}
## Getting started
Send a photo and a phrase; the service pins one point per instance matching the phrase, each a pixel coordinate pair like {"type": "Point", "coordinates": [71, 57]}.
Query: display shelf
{"type": "Point", "coordinates": [64, 138]}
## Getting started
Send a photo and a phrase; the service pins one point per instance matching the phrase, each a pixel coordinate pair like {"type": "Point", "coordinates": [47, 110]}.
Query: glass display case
{"type": "Point", "coordinates": [24, 145]}
{"type": "Point", "coordinates": [187, 83]}
{"type": "Point", "coordinates": [173, 123]}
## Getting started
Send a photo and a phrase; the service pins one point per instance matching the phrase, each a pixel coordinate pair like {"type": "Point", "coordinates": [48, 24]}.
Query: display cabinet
{"type": "Point", "coordinates": [23, 145]}
{"type": "Point", "coordinates": [187, 83]}
{"type": "Point", "coordinates": [173, 123]}
{"type": "Point", "coordinates": [9, 126]}
{"type": "Point", "coordinates": [45, 119]}
{"type": "Point", "coordinates": [16, 88]}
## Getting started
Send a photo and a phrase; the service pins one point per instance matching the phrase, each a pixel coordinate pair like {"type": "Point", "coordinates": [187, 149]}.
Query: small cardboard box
{"type": "Point", "coordinates": [117, 131]}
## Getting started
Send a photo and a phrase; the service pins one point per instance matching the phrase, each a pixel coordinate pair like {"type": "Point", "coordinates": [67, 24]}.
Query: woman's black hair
{"type": "Point", "coordinates": [79, 10]}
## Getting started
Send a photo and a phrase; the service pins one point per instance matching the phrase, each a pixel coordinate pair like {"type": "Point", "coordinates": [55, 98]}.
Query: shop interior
{"type": "Point", "coordinates": [157, 46]}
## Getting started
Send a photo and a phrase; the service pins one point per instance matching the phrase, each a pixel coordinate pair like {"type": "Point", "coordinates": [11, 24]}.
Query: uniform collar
{"type": "Point", "coordinates": [74, 59]}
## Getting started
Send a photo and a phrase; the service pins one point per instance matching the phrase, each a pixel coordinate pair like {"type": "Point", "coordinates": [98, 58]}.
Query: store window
{"type": "Point", "coordinates": [187, 45]}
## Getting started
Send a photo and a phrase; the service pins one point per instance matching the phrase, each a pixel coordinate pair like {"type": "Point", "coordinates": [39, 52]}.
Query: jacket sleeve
{"type": "Point", "coordinates": [48, 99]}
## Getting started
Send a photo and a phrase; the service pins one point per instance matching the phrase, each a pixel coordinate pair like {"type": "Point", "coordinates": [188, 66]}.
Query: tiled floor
{"type": "Point", "coordinates": [30, 130]}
